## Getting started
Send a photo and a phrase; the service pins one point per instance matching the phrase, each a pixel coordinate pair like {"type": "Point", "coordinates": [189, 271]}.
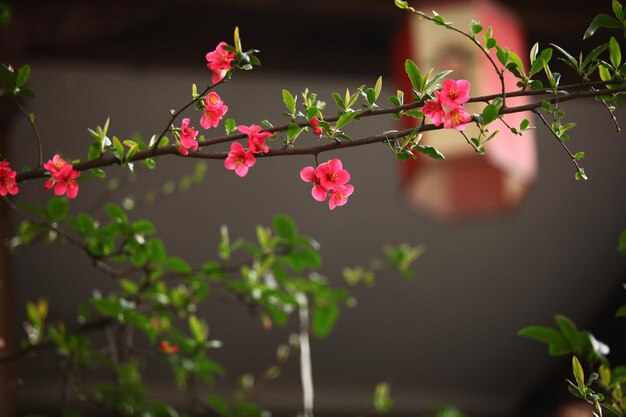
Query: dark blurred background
{"type": "Point", "coordinates": [449, 337]}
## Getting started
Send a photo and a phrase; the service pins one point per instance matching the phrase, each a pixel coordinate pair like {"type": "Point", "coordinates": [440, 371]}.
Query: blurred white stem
{"type": "Point", "coordinates": [305, 356]}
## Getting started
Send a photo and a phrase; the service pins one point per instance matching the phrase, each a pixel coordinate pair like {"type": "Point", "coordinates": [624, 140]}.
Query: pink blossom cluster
{"type": "Point", "coordinates": [239, 159]}
{"type": "Point", "coordinates": [7, 180]}
{"type": "Point", "coordinates": [213, 111]}
{"type": "Point", "coordinates": [219, 61]}
{"type": "Point", "coordinates": [453, 95]}
{"type": "Point", "coordinates": [329, 177]}
{"type": "Point", "coordinates": [63, 177]}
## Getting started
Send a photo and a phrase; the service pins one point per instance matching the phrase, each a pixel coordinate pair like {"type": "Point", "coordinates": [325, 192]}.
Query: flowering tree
{"type": "Point", "coordinates": [274, 277]}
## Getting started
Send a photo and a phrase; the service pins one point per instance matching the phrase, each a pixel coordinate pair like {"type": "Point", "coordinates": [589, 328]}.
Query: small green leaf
{"type": "Point", "coordinates": [414, 74]}
{"type": "Point", "coordinates": [285, 227]}
{"type": "Point", "coordinates": [430, 151]}
{"type": "Point", "coordinates": [524, 124]}
{"type": "Point", "coordinates": [579, 155]}
{"type": "Point", "coordinates": [293, 131]}
{"type": "Point", "coordinates": [290, 102]}
{"type": "Point", "coordinates": [22, 76]}
{"type": "Point", "coordinates": [118, 215]}
{"type": "Point", "coordinates": [345, 119]}
{"type": "Point", "coordinates": [490, 113]}
{"type": "Point", "coordinates": [476, 27]}
{"type": "Point", "coordinates": [601, 21]}
{"type": "Point", "coordinates": [338, 100]}
{"type": "Point", "coordinates": [57, 208]}
{"type": "Point", "coordinates": [230, 126]}
{"type": "Point", "coordinates": [378, 87]}
{"type": "Point", "coordinates": [237, 40]}
{"type": "Point", "coordinates": [579, 374]}
{"type": "Point", "coordinates": [401, 4]}
{"type": "Point", "coordinates": [27, 93]}
{"type": "Point", "coordinates": [615, 52]}
{"type": "Point", "coordinates": [556, 341]}
{"type": "Point", "coordinates": [324, 319]}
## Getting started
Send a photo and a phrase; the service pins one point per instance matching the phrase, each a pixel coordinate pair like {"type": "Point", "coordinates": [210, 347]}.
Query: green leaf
{"type": "Point", "coordinates": [27, 93]}
{"type": "Point", "coordinates": [199, 328]}
{"type": "Point", "coordinates": [177, 265]}
{"type": "Point", "coordinates": [475, 27]}
{"type": "Point", "coordinates": [415, 113]}
{"type": "Point", "coordinates": [338, 100]}
{"type": "Point", "coordinates": [230, 126]}
{"type": "Point", "coordinates": [293, 131]}
{"type": "Point", "coordinates": [304, 258]}
{"type": "Point", "coordinates": [290, 102]}
{"type": "Point", "coordinates": [557, 343]}
{"type": "Point", "coordinates": [601, 21]}
{"type": "Point", "coordinates": [432, 82]}
{"type": "Point", "coordinates": [285, 227]}
{"type": "Point", "coordinates": [237, 40]}
{"type": "Point", "coordinates": [614, 52]}
{"type": "Point", "coordinates": [621, 241]}
{"type": "Point", "coordinates": [22, 76]}
{"type": "Point", "coordinates": [345, 119]}
{"type": "Point", "coordinates": [218, 405]}
{"type": "Point", "coordinates": [579, 155]}
{"type": "Point", "coordinates": [579, 374]}
{"type": "Point", "coordinates": [143, 226]}
{"type": "Point", "coordinates": [57, 208]}
{"type": "Point", "coordinates": [490, 113]}
{"type": "Point", "coordinates": [570, 331]}
{"type": "Point", "coordinates": [430, 151]}
{"type": "Point", "coordinates": [414, 74]}
{"type": "Point", "coordinates": [382, 400]}
{"type": "Point", "coordinates": [401, 4]}
{"type": "Point", "coordinates": [378, 87]}
{"type": "Point", "coordinates": [323, 320]}
{"type": "Point", "coordinates": [118, 215]}
{"type": "Point", "coordinates": [524, 124]}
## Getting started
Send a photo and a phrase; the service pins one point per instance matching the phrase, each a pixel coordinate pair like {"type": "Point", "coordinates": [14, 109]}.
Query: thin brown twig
{"type": "Point", "coordinates": [35, 131]}
{"type": "Point", "coordinates": [109, 159]}
{"type": "Point", "coordinates": [182, 109]}
{"type": "Point", "coordinates": [569, 153]}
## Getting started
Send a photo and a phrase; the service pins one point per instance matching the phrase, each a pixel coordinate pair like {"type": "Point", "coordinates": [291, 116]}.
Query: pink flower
{"type": "Point", "coordinates": [54, 165]}
{"type": "Point", "coordinates": [219, 61]}
{"type": "Point", "coordinates": [63, 177]}
{"type": "Point", "coordinates": [187, 138]}
{"type": "Point", "coordinates": [331, 174]}
{"type": "Point", "coordinates": [434, 110]}
{"type": "Point", "coordinates": [7, 180]}
{"type": "Point", "coordinates": [309, 174]}
{"type": "Point", "coordinates": [256, 138]}
{"type": "Point", "coordinates": [456, 118]}
{"type": "Point", "coordinates": [238, 159]}
{"type": "Point", "coordinates": [339, 196]}
{"type": "Point", "coordinates": [454, 93]}
{"type": "Point", "coordinates": [214, 110]}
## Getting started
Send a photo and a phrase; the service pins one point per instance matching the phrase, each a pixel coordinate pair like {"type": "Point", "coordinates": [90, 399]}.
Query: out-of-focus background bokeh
{"type": "Point", "coordinates": [449, 336]}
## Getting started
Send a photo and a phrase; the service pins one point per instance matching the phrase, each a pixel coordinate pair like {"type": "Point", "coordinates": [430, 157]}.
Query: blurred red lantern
{"type": "Point", "coordinates": [465, 184]}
